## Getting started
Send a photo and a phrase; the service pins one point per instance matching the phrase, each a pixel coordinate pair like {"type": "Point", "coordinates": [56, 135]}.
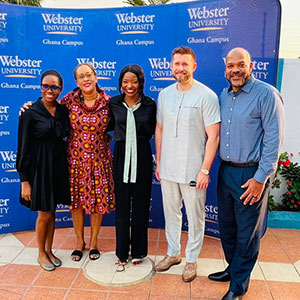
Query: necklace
{"type": "Point", "coordinates": [82, 98]}
{"type": "Point", "coordinates": [93, 107]}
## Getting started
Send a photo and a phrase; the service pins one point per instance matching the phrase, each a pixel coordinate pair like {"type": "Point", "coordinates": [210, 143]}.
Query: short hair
{"type": "Point", "coordinates": [241, 51]}
{"type": "Point", "coordinates": [84, 64]}
{"type": "Point", "coordinates": [184, 50]}
{"type": "Point", "coordinates": [54, 73]}
{"type": "Point", "coordinates": [138, 71]}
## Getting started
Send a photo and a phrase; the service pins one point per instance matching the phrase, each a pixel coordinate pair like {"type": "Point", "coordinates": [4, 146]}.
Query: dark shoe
{"type": "Point", "coordinates": [50, 267]}
{"type": "Point", "coordinates": [94, 254]}
{"type": "Point", "coordinates": [220, 276]}
{"type": "Point", "coordinates": [76, 255]}
{"type": "Point", "coordinates": [231, 296]}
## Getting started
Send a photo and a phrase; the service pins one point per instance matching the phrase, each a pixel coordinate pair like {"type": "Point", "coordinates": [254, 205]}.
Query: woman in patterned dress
{"type": "Point", "coordinates": [90, 158]}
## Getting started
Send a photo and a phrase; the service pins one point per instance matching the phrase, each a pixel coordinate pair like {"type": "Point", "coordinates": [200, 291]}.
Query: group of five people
{"type": "Point", "coordinates": [72, 137]}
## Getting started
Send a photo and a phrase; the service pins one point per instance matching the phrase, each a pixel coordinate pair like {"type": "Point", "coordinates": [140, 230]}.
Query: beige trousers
{"type": "Point", "coordinates": [174, 194]}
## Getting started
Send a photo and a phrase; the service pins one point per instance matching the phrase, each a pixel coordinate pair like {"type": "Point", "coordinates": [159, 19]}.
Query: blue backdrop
{"type": "Point", "coordinates": [33, 40]}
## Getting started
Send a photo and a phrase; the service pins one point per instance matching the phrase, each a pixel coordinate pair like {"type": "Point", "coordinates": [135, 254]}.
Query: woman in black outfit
{"type": "Point", "coordinates": [133, 122]}
{"type": "Point", "coordinates": [42, 163]}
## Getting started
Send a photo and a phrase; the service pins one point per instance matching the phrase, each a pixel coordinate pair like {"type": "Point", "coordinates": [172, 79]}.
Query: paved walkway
{"type": "Point", "coordinates": [276, 275]}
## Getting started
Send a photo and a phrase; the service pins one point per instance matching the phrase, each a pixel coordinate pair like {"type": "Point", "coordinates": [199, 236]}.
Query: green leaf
{"type": "Point", "coordinates": [23, 2]}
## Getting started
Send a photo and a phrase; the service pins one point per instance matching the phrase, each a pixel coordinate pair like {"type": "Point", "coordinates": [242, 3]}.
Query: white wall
{"type": "Point", "coordinates": [290, 90]}
{"type": "Point", "coordinates": [290, 29]}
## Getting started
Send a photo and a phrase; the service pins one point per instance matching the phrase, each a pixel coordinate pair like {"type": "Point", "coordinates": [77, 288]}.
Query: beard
{"type": "Point", "coordinates": [182, 77]}
{"type": "Point", "coordinates": [243, 77]}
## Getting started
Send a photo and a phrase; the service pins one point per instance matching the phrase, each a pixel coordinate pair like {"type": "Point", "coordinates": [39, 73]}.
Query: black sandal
{"type": "Point", "coordinates": [94, 252]}
{"type": "Point", "coordinates": [77, 253]}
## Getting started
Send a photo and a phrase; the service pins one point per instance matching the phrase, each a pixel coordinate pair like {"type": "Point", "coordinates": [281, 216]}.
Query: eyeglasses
{"type": "Point", "coordinates": [87, 75]}
{"type": "Point", "coordinates": [53, 88]}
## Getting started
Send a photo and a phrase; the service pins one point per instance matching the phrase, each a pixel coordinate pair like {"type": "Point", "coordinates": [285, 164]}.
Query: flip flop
{"type": "Point", "coordinates": [77, 253]}
{"type": "Point", "coordinates": [94, 252]}
{"type": "Point", "coordinates": [121, 265]}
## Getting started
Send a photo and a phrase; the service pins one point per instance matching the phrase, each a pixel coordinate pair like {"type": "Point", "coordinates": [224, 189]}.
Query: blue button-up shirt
{"type": "Point", "coordinates": [252, 122]}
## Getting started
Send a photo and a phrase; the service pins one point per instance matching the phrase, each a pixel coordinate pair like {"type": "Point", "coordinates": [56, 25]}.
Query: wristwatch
{"type": "Point", "coordinates": [205, 171]}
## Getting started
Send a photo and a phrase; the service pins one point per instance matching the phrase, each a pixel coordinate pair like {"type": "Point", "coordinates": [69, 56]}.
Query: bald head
{"type": "Point", "coordinates": [238, 68]}
{"type": "Point", "coordinates": [239, 52]}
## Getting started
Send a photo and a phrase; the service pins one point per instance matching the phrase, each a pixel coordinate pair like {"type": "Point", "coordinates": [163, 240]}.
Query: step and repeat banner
{"type": "Point", "coordinates": [33, 40]}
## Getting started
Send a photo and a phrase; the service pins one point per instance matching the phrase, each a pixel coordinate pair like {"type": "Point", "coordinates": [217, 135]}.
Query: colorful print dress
{"type": "Point", "coordinates": [90, 158]}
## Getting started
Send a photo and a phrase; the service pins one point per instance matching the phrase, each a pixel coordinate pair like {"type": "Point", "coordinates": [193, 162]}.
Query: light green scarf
{"type": "Point", "coordinates": [130, 145]}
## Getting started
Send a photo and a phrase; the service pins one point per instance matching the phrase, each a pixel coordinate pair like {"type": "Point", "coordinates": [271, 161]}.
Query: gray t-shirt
{"type": "Point", "coordinates": [184, 116]}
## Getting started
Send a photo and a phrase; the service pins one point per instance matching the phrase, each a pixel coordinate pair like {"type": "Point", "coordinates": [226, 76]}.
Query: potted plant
{"type": "Point", "coordinates": [288, 212]}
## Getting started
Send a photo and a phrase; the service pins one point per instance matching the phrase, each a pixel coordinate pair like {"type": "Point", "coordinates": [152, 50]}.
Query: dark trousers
{"type": "Point", "coordinates": [240, 225]}
{"type": "Point", "coordinates": [133, 202]}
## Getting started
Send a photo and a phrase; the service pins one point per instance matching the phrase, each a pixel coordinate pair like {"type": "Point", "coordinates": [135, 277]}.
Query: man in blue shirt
{"type": "Point", "coordinates": [252, 121]}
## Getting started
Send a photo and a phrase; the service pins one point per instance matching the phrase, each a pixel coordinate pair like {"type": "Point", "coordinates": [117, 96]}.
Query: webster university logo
{"type": "Point", "coordinates": [203, 18]}
{"type": "Point", "coordinates": [129, 23]}
{"type": "Point", "coordinates": [58, 24]}
{"type": "Point", "coordinates": [14, 66]}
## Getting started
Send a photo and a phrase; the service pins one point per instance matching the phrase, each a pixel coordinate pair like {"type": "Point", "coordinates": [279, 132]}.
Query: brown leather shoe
{"type": "Point", "coordinates": [167, 262]}
{"type": "Point", "coordinates": [190, 272]}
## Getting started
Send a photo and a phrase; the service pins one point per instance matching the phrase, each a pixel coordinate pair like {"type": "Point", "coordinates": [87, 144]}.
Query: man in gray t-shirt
{"type": "Point", "coordinates": [186, 141]}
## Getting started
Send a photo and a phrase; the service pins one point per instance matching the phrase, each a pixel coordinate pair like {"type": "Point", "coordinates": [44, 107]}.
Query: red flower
{"type": "Point", "coordinates": [280, 162]}
{"type": "Point", "coordinates": [293, 201]}
{"type": "Point", "coordinates": [291, 154]}
{"type": "Point", "coordinates": [295, 206]}
{"type": "Point", "coordinates": [289, 193]}
{"type": "Point", "coordinates": [287, 162]}
{"type": "Point", "coordinates": [288, 182]}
